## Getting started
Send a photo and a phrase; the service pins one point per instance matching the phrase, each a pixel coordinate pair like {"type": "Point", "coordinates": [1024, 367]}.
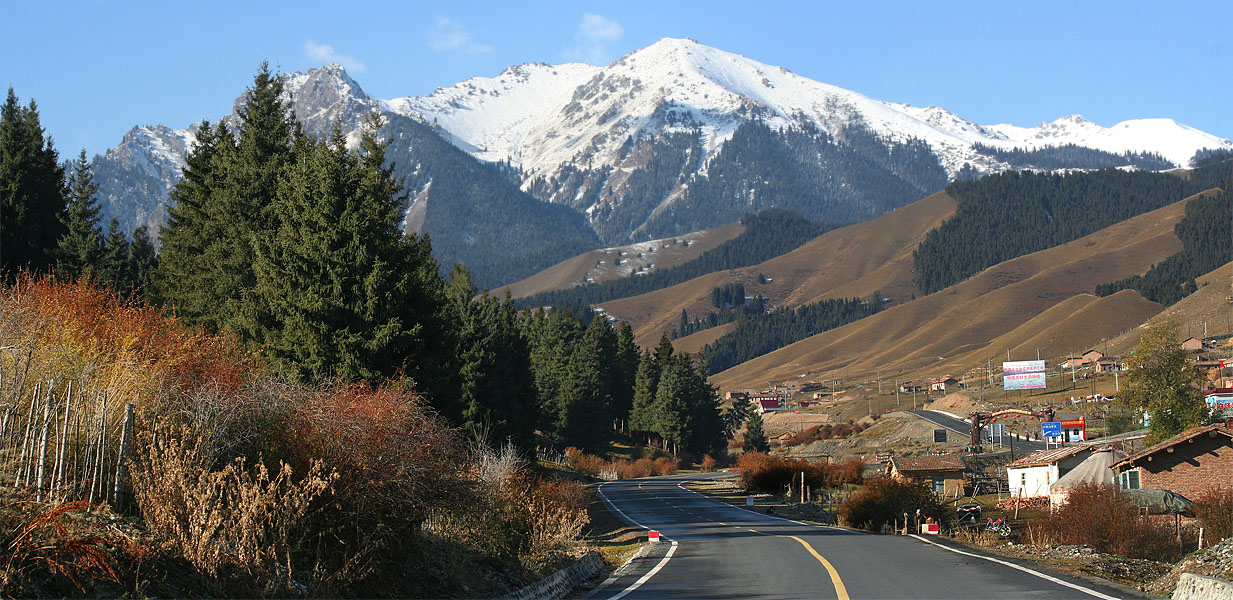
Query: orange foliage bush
{"type": "Point", "coordinates": [769, 473]}
{"type": "Point", "coordinates": [1102, 517]}
{"type": "Point", "coordinates": [667, 465]}
{"type": "Point", "coordinates": [883, 500]}
{"type": "Point", "coordinates": [708, 463]}
{"type": "Point", "coordinates": [824, 432]}
{"type": "Point", "coordinates": [395, 459]}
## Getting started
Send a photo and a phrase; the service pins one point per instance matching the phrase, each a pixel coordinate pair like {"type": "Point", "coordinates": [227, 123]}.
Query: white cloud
{"type": "Point", "coordinates": [594, 34]}
{"type": "Point", "coordinates": [450, 35]}
{"type": "Point", "coordinates": [322, 53]}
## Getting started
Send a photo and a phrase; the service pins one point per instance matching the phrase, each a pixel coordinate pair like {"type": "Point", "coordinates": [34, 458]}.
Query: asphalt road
{"type": "Point", "coordinates": [714, 550]}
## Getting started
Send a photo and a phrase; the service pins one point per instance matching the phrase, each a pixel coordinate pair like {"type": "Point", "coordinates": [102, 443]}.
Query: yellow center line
{"type": "Point", "coordinates": [841, 591]}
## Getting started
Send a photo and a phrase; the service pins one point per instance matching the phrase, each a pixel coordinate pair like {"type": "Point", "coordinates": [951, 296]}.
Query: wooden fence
{"type": "Point", "coordinates": [65, 446]}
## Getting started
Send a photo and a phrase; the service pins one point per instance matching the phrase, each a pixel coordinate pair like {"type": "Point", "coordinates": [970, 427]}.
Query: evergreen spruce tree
{"type": "Point", "coordinates": [673, 415]}
{"type": "Point", "coordinates": [236, 212]}
{"type": "Point", "coordinates": [31, 190]}
{"type": "Point", "coordinates": [706, 430]}
{"type": "Point", "coordinates": [497, 391]}
{"type": "Point", "coordinates": [113, 268]}
{"type": "Point", "coordinates": [627, 355]}
{"type": "Point", "coordinates": [81, 248]}
{"type": "Point", "coordinates": [642, 415]}
{"type": "Point", "coordinates": [142, 258]}
{"type": "Point", "coordinates": [192, 226]}
{"type": "Point", "coordinates": [552, 338]}
{"type": "Point", "coordinates": [584, 418]}
{"type": "Point", "coordinates": [337, 292]}
{"type": "Point", "coordinates": [755, 437]}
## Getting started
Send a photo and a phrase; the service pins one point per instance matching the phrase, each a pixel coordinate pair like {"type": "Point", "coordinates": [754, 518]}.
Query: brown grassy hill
{"type": "Point", "coordinates": [1209, 304]}
{"type": "Point", "coordinates": [601, 265]}
{"type": "Point", "coordinates": [856, 260]}
{"type": "Point", "coordinates": [693, 344]}
{"type": "Point", "coordinates": [951, 330]}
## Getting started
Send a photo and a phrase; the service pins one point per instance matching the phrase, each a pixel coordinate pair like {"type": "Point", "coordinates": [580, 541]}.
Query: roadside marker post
{"type": "Point", "coordinates": [653, 536]}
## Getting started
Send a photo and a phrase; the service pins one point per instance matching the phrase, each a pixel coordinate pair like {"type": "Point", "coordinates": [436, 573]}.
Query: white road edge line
{"type": "Point", "coordinates": [657, 567]}
{"type": "Point", "coordinates": [649, 574]}
{"type": "Point", "coordinates": [1024, 569]}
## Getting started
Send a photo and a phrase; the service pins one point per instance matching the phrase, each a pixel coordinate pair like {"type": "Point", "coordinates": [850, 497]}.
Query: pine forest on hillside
{"type": "Point", "coordinates": [1207, 243]}
{"type": "Point", "coordinates": [1004, 216]}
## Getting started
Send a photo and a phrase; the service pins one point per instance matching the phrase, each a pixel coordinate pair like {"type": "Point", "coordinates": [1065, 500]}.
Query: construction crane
{"type": "Point", "coordinates": [980, 419]}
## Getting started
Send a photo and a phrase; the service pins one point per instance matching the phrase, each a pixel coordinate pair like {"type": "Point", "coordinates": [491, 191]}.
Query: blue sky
{"type": "Point", "coordinates": [97, 68]}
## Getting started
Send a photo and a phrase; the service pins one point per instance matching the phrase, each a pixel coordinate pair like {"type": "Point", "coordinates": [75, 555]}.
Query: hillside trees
{"type": "Point", "coordinates": [1207, 243]}
{"type": "Point", "coordinates": [757, 333]}
{"type": "Point", "coordinates": [1004, 216]}
{"type": "Point", "coordinates": [767, 234]}
{"type": "Point", "coordinates": [31, 189]}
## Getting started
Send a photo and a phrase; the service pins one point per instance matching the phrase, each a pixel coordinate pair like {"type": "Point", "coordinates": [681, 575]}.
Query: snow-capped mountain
{"type": "Point", "coordinates": [540, 116]}
{"type": "Point", "coordinates": [671, 138]}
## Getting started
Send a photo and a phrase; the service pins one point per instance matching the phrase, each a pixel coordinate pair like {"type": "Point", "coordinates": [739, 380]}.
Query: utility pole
{"type": "Point", "coordinates": [896, 392]}
{"type": "Point", "coordinates": [1038, 354]}
{"type": "Point", "coordinates": [879, 383]}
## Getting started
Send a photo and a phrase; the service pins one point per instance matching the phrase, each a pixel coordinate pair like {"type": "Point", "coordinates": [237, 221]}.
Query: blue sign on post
{"type": "Point", "coordinates": [1051, 429]}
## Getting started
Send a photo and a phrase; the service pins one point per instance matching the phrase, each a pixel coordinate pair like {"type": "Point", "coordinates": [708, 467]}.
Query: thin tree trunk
{"type": "Point", "coordinates": [25, 439]}
{"type": "Point", "coordinates": [42, 466]}
{"type": "Point", "coordinates": [126, 438]}
{"type": "Point", "coordinates": [58, 485]}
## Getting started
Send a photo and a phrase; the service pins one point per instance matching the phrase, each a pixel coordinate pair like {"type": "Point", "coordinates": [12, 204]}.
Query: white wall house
{"type": "Point", "coordinates": [1036, 472]}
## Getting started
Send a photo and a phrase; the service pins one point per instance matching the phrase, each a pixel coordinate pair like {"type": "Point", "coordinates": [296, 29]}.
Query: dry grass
{"type": "Point", "coordinates": [851, 261]}
{"type": "Point", "coordinates": [237, 521]}
{"type": "Point", "coordinates": [962, 324]}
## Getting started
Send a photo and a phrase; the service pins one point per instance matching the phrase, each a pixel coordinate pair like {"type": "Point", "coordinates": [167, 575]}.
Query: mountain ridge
{"type": "Point", "coordinates": [633, 145]}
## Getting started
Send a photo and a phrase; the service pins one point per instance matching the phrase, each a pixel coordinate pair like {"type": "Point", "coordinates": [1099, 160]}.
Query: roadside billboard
{"type": "Point", "coordinates": [1023, 375]}
{"type": "Point", "coordinates": [1064, 431]}
{"type": "Point", "coordinates": [1221, 404]}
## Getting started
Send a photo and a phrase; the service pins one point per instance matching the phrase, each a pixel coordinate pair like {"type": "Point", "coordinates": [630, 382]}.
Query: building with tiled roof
{"type": "Point", "coordinates": [1191, 463]}
{"type": "Point", "coordinates": [1032, 475]}
{"type": "Point", "coordinates": [943, 473]}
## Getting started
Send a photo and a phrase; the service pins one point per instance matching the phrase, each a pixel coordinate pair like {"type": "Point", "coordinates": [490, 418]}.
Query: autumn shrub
{"type": "Point", "coordinates": [84, 331]}
{"type": "Point", "coordinates": [825, 431]}
{"type": "Point", "coordinates": [241, 522]}
{"type": "Point", "coordinates": [1102, 517]}
{"type": "Point", "coordinates": [767, 473]}
{"type": "Point", "coordinates": [585, 463]}
{"type": "Point", "coordinates": [666, 465]}
{"type": "Point", "coordinates": [396, 462]}
{"type": "Point", "coordinates": [883, 500]}
{"type": "Point", "coordinates": [643, 467]}
{"type": "Point", "coordinates": [708, 464]}
{"type": "Point", "coordinates": [847, 471]}
{"type": "Point", "coordinates": [1215, 512]}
